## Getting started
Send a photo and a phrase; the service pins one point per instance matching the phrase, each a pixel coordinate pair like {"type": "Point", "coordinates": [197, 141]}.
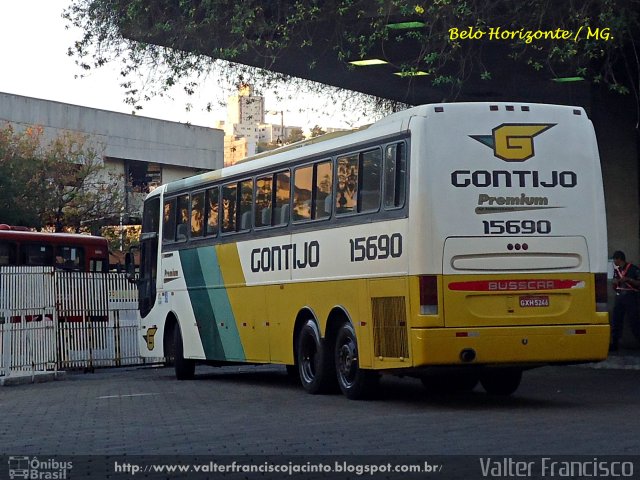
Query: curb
{"type": "Point", "coordinates": [27, 378]}
{"type": "Point", "coordinates": [617, 362]}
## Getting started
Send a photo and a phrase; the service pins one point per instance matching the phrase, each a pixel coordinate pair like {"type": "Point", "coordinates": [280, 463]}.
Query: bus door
{"type": "Point", "coordinates": [149, 256]}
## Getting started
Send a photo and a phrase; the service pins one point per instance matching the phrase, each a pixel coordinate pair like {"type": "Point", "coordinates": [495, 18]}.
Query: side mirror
{"type": "Point", "coordinates": [130, 265]}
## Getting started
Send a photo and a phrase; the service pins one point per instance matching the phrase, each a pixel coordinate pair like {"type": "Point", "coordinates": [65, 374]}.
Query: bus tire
{"type": "Point", "coordinates": [185, 368]}
{"type": "Point", "coordinates": [502, 381]}
{"type": "Point", "coordinates": [355, 383]}
{"type": "Point", "coordinates": [315, 366]}
{"type": "Point", "coordinates": [170, 346]}
{"type": "Point", "coordinates": [452, 382]}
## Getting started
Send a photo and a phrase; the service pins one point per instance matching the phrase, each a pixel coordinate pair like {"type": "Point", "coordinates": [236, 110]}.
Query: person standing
{"type": "Point", "coordinates": [626, 283]}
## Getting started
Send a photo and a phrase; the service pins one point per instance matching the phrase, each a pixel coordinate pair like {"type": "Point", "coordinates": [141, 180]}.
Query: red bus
{"type": "Point", "coordinates": [71, 252]}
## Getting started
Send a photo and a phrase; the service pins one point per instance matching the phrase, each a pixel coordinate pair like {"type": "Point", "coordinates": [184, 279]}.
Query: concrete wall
{"type": "Point", "coordinates": [172, 172]}
{"type": "Point", "coordinates": [613, 120]}
{"type": "Point", "coordinates": [122, 136]}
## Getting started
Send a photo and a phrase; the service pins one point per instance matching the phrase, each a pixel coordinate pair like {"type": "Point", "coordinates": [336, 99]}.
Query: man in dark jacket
{"type": "Point", "coordinates": [626, 283]}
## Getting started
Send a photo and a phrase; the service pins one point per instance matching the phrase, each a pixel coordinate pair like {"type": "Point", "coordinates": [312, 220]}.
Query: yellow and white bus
{"type": "Point", "coordinates": [458, 243]}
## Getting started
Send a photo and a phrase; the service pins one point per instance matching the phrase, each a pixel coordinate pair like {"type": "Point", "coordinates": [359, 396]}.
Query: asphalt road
{"type": "Point", "coordinates": [259, 411]}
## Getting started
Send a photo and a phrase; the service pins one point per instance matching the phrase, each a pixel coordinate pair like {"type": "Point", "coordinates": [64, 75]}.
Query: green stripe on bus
{"type": "Point", "coordinates": [211, 305]}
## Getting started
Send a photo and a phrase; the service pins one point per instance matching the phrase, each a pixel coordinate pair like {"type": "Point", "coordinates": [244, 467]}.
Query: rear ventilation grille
{"type": "Point", "coordinates": [389, 327]}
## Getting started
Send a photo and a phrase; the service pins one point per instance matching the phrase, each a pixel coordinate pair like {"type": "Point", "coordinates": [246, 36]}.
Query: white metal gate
{"type": "Point", "coordinates": [56, 319]}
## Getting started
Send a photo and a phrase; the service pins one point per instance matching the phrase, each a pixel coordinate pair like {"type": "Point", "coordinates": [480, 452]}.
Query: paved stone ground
{"type": "Point", "coordinates": [258, 410]}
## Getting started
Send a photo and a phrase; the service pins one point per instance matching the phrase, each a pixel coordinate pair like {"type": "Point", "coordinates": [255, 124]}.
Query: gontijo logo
{"type": "Point", "coordinates": [513, 142]}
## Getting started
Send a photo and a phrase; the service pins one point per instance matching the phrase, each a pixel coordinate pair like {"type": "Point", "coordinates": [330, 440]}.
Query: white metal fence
{"type": "Point", "coordinates": [51, 319]}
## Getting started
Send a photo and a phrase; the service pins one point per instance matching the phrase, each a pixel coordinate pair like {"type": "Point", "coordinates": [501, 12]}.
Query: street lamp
{"type": "Point", "coordinates": [281, 112]}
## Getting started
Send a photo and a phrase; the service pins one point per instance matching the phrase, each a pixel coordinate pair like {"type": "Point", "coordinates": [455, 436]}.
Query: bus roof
{"type": "Point", "coordinates": [394, 123]}
{"type": "Point", "coordinates": [52, 238]}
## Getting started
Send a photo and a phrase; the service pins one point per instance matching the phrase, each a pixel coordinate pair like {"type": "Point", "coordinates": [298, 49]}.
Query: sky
{"type": "Point", "coordinates": [33, 51]}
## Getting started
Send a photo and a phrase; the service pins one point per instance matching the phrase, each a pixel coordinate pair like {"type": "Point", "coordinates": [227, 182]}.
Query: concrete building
{"type": "Point", "coordinates": [245, 127]}
{"type": "Point", "coordinates": [145, 152]}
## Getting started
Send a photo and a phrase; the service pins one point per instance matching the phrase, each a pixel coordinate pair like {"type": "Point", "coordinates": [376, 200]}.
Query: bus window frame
{"type": "Point", "coordinates": [276, 174]}
{"type": "Point", "coordinates": [314, 190]}
{"type": "Point", "coordinates": [382, 213]}
{"type": "Point", "coordinates": [172, 231]}
{"type": "Point", "coordinates": [207, 210]}
{"type": "Point", "coordinates": [361, 177]}
{"type": "Point", "coordinates": [239, 212]}
{"type": "Point", "coordinates": [79, 250]}
{"type": "Point", "coordinates": [12, 253]}
{"type": "Point", "coordinates": [187, 224]}
{"type": "Point", "coordinates": [202, 235]}
{"type": "Point", "coordinates": [404, 175]}
{"type": "Point", "coordinates": [272, 194]}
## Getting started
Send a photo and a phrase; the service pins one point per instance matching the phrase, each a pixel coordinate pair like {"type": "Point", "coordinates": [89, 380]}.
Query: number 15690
{"type": "Point", "coordinates": [514, 227]}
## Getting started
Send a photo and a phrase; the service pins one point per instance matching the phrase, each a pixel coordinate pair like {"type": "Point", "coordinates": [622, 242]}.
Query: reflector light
{"type": "Point", "coordinates": [580, 331]}
{"type": "Point", "coordinates": [601, 292]}
{"type": "Point", "coordinates": [428, 295]}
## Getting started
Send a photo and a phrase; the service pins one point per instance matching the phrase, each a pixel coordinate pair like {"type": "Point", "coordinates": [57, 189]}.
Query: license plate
{"type": "Point", "coordinates": [534, 301]}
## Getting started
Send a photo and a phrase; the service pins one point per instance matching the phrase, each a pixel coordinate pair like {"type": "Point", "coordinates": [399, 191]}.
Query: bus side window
{"type": "Point", "coordinates": [303, 181]}
{"type": "Point", "coordinates": [322, 200]}
{"type": "Point", "coordinates": [246, 204]}
{"type": "Point", "coordinates": [96, 265]}
{"type": "Point", "coordinates": [282, 195]}
{"type": "Point", "coordinates": [347, 188]}
{"type": "Point", "coordinates": [197, 214]}
{"type": "Point", "coordinates": [229, 207]}
{"type": "Point", "coordinates": [36, 255]}
{"type": "Point", "coordinates": [70, 258]}
{"type": "Point", "coordinates": [369, 193]}
{"type": "Point", "coordinates": [182, 220]}
{"type": "Point", "coordinates": [395, 169]}
{"type": "Point", "coordinates": [264, 199]}
{"type": "Point", "coordinates": [212, 211]}
{"type": "Point", "coordinates": [7, 254]}
{"type": "Point", "coordinates": [169, 220]}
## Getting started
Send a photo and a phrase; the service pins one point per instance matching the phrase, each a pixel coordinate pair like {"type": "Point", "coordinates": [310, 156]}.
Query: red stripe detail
{"type": "Point", "coordinates": [513, 285]}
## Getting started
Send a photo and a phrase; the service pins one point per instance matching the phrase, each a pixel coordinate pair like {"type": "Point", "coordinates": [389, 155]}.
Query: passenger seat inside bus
{"type": "Point", "coordinates": [245, 221]}
{"type": "Point", "coordinates": [266, 217]}
{"type": "Point", "coordinates": [284, 214]}
{"type": "Point", "coordinates": [181, 232]}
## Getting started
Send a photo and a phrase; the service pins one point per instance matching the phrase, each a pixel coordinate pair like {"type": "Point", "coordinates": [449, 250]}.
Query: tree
{"type": "Point", "coordinates": [19, 157]}
{"type": "Point", "coordinates": [61, 184]}
{"type": "Point", "coordinates": [316, 131]}
{"type": "Point", "coordinates": [188, 39]}
{"type": "Point", "coordinates": [295, 135]}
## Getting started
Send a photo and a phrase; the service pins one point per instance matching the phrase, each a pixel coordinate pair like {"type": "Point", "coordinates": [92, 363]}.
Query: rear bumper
{"type": "Point", "coordinates": [510, 345]}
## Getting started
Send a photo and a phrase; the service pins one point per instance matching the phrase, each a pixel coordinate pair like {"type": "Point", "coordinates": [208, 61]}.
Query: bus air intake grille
{"type": "Point", "coordinates": [390, 327]}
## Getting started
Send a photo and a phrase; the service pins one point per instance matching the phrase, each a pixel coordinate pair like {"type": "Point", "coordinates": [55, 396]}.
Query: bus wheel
{"type": "Point", "coordinates": [354, 382]}
{"type": "Point", "coordinates": [314, 365]}
{"type": "Point", "coordinates": [453, 382]}
{"type": "Point", "coordinates": [185, 368]}
{"type": "Point", "coordinates": [503, 381]}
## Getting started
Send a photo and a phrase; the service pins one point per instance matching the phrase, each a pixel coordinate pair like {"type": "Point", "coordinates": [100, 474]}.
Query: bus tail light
{"type": "Point", "coordinates": [601, 292]}
{"type": "Point", "coordinates": [428, 295]}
